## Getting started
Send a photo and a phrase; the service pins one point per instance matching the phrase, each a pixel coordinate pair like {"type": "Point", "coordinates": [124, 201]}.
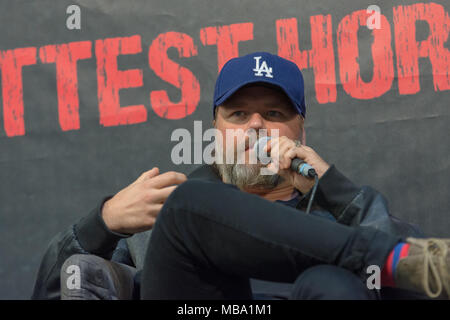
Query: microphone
{"type": "Point", "coordinates": [297, 165]}
{"type": "Point", "coordinates": [301, 167]}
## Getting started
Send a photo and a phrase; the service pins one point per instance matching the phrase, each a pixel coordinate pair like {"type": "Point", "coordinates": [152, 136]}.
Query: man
{"type": "Point", "coordinates": [213, 235]}
{"type": "Point", "coordinates": [229, 223]}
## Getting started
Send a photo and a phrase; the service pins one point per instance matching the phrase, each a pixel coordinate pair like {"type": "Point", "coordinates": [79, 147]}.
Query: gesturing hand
{"type": "Point", "coordinates": [135, 208]}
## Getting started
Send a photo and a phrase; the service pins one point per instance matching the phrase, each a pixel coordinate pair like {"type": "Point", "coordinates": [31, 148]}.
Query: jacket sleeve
{"type": "Point", "coordinates": [352, 205]}
{"type": "Point", "coordinates": [89, 235]}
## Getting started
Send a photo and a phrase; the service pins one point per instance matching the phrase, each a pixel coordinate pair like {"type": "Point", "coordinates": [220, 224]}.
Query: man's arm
{"type": "Point", "coordinates": [133, 209]}
{"type": "Point", "coordinates": [348, 203]}
{"type": "Point", "coordinates": [353, 205]}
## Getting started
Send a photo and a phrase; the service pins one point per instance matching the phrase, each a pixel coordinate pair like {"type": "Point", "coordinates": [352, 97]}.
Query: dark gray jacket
{"type": "Point", "coordinates": [337, 198]}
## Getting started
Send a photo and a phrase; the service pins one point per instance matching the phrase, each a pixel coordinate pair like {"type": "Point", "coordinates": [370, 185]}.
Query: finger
{"type": "Point", "coordinates": [284, 146]}
{"type": "Point", "coordinates": [148, 174]}
{"type": "Point", "coordinates": [278, 142]}
{"type": "Point", "coordinates": [161, 195]}
{"type": "Point", "coordinates": [288, 151]}
{"type": "Point", "coordinates": [154, 211]}
{"type": "Point", "coordinates": [288, 142]}
{"type": "Point", "coordinates": [167, 179]}
{"type": "Point", "coordinates": [301, 152]}
{"type": "Point", "coordinates": [271, 146]}
{"type": "Point", "coordinates": [279, 150]}
{"type": "Point", "coordinates": [152, 173]}
{"type": "Point", "coordinates": [288, 155]}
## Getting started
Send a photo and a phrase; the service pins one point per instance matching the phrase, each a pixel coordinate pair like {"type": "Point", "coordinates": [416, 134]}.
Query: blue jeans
{"type": "Point", "coordinates": [210, 239]}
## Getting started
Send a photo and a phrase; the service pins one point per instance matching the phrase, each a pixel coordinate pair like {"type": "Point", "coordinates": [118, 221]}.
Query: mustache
{"type": "Point", "coordinates": [247, 176]}
{"type": "Point", "coordinates": [248, 143]}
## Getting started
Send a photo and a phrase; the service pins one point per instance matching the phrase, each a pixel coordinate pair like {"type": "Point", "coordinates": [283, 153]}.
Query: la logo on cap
{"type": "Point", "coordinates": [263, 68]}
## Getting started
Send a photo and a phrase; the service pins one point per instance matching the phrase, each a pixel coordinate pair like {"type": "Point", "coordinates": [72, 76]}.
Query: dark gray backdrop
{"type": "Point", "coordinates": [50, 178]}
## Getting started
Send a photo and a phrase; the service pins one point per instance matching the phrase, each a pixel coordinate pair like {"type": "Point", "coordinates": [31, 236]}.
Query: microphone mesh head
{"type": "Point", "coordinates": [259, 145]}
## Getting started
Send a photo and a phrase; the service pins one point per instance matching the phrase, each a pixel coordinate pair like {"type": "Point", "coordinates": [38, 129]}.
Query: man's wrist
{"type": "Point", "coordinates": [93, 234]}
{"type": "Point", "coordinates": [104, 213]}
{"type": "Point", "coordinates": [335, 191]}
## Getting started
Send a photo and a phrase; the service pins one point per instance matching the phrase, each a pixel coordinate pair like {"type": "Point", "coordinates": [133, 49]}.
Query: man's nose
{"type": "Point", "coordinates": [256, 121]}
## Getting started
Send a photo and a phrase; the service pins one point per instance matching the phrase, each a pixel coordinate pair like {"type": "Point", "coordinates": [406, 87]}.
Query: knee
{"type": "Point", "coordinates": [189, 200]}
{"type": "Point", "coordinates": [183, 199]}
{"type": "Point", "coordinates": [195, 192]}
{"type": "Point", "coordinates": [87, 277]}
{"type": "Point", "coordinates": [185, 191]}
{"type": "Point", "coordinates": [328, 282]}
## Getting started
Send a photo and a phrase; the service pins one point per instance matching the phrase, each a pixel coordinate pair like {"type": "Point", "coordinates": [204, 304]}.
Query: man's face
{"type": "Point", "coordinates": [255, 107]}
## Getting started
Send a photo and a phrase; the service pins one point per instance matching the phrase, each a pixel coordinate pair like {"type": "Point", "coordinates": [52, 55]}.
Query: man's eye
{"type": "Point", "coordinates": [237, 114]}
{"type": "Point", "coordinates": [274, 113]}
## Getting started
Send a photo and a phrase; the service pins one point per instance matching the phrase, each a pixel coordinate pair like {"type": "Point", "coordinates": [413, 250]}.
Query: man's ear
{"type": "Point", "coordinates": [303, 136]}
{"type": "Point", "coordinates": [303, 132]}
{"type": "Point", "coordinates": [215, 116]}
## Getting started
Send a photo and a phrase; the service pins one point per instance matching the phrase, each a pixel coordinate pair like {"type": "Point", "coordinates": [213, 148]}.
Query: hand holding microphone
{"type": "Point", "coordinates": [295, 162]}
{"type": "Point", "coordinates": [297, 165]}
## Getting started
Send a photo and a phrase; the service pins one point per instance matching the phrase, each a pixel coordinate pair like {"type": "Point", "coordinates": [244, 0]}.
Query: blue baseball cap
{"type": "Point", "coordinates": [261, 67]}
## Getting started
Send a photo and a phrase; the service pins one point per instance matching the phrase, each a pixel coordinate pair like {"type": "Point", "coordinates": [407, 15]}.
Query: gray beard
{"type": "Point", "coordinates": [246, 176]}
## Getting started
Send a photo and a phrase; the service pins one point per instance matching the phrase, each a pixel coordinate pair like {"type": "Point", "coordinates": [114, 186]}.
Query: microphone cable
{"type": "Point", "coordinates": [313, 193]}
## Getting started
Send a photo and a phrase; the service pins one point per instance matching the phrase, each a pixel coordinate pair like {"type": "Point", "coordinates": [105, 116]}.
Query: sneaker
{"type": "Point", "coordinates": [426, 269]}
